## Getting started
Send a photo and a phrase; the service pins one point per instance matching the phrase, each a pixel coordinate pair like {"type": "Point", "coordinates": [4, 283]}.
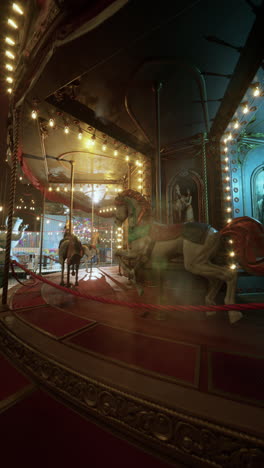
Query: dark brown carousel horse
{"type": "Point", "coordinates": [70, 249]}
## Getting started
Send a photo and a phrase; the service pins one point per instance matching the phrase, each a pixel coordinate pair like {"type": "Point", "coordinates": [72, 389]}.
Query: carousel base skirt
{"type": "Point", "coordinates": [115, 363]}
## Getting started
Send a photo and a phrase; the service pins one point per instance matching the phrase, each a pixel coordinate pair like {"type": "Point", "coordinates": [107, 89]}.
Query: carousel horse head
{"type": "Point", "coordinates": [133, 206]}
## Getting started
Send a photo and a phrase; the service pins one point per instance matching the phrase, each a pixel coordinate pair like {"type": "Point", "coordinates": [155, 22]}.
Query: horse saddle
{"type": "Point", "coordinates": [194, 232]}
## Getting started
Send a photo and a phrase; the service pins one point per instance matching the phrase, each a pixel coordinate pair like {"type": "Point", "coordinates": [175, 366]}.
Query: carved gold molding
{"type": "Point", "coordinates": [172, 435]}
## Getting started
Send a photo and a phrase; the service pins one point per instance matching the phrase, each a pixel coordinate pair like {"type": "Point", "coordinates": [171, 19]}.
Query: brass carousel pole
{"type": "Point", "coordinates": [42, 231]}
{"type": "Point", "coordinates": [156, 88]}
{"type": "Point", "coordinates": [11, 207]}
{"type": "Point", "coordinates": [92, 230]}
{"type": "Point", "coordinates": [205, 179]}
{"type": "Point", "coordinates": [71, 199]}
{"type": "Point", "coordinates": [158, 202]}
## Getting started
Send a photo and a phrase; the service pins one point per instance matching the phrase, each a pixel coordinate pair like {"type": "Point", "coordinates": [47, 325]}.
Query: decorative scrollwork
{"type": "Point", "coordinates": [170, 432]}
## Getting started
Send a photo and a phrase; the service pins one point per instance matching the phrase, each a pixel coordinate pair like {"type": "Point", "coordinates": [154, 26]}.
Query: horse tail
{"type": "Point", "coordinates": [247, 235]}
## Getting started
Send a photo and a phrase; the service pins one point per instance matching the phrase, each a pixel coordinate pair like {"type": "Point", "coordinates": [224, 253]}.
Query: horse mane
{"type": "Point", "coordinates": [130, 193]}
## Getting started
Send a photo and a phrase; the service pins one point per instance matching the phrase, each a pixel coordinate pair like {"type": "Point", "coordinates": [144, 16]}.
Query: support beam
{"type": "Point", "coordinates": [80, 112]}
{"type": "Point", "coordinates": [250, 60]}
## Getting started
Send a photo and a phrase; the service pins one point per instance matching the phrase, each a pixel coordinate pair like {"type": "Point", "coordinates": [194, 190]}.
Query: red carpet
{"type": "Point", "coordinates": [11, 381]}
{"type": "Point", "coordinates": [39, 432]}
{"type": "Point", "coordinates": [53, 321]}
{"type": "Point", "coordinates": [237, 376]}
{"type": "Point", "coordinates": [28, 296]}
{"type": "Point", "coordinates": [166, 357]}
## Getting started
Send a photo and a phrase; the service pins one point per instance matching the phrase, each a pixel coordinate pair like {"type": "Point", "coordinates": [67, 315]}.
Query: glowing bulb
{"type": "Point", "coordinates": [9, 67]}
{"type": "Point", "coordinates": [226, 169]}
{"type": "Point", "coordinates": [225, 150]}
{"type": "Point", "coordinates": [139, 187]}
{"type": "Point", "coordinates": [226, 159]}
{"type": "Point", "coordinates": [48, 221]}
{"type": "Point", "coordinates": [10, 41]}
{"type": "Point", "coordinates": [227, 179]}
{"type": "Point", "coordinates": [65, 189]}
{"type": "Point", "coordinates": [50, 189]}
{"type": "Point", "coordinates": [140, 179]}
{"type": "Point", "coordinates": [229, 209]}
{"type": "Point", "coordinates": [51, 122]}
{"type": "Point", "coordinates": [233, 266]}
{"type": "Point", "coordinates": [231, 241]}
{"type": "Point", "coordinates": [236, 124]}
{"type": "Point", "coordinates": [228, 198]}
{"type": "Point", "coordinates": [58, 189]}
{"type": "Point", "coordinates": [80, 135]}
{"type": "Point", "coordinates": [115, 153]}
{"type": "Point", "coordinates": [9, 54]}
{"type": "Point", "coordinates": [245, 109]}
{"type": "Point", "coordinates": [66, 129]}
{"type": "Point", "coordinates": [229, 136]}
{"type": "Point", "coordinates": [20, 178]}
{"type": "Point", "coordinates": [256, 91]}
{"type": "Point", "coordinates": [34, 114]}
{"type": "Point", "coordinates": [127, 158]}
{"type": "Point", "coordinates": [231, 254]}
{"type": "Point", "coordinates": [227, 189]}
{"type": "Point", "coordinates": [229, 220]}
{"type": "Point", "coordinates": [9, 79]}
{"type": "Point", "coordinates": [225, 140]}
{"type": "Point", "coordinates": [12, 23]}
{"type": "Point", "coordinates": [9, 90]}
{"type": "Point", "coordinates": [17, 9]}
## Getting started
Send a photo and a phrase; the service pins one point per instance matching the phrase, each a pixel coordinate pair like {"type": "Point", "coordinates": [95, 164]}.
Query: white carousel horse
{"type": "Point", "coordinates": [18, 230]}
{"type": "Point", "coordinates": [198, 243]}
{"type": "Point", "coordinates": [70, 249]}
{"type": "Point", "coordinates": [89, 252]}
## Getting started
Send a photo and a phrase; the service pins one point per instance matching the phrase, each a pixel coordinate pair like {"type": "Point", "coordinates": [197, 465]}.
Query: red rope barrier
{"type": "Point", "coordinates": [179, 308]}
{"type": "Point", "coordinates": [18, 280]}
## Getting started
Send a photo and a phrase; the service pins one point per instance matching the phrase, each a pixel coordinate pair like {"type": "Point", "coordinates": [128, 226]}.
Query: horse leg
{"type": "Point", "coordinates": [214, 287]}
{"type": "Point", "coordinates": [196, 260]}
{"type": "Point", "coordinates": [62, 274]}
{"type": "Point", "coordinates": [76, 277]}
{"type": "Point", "coordinates": [68, 275]}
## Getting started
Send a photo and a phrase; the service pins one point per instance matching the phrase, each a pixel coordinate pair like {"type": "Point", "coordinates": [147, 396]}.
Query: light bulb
{"type": "Point", "coordinates": [236, 124]}
{"type": "Point", "coordinates": [34, 114]}
{"type": "Point", "coordinates": [66, 129]}
{"type": "Point", "coordinates": [256, 91]}
{"type": "Point", "coordinates": [51, 122]}
{"type": "Point", "coordinates": [12, 23]}
{"type": "Point", "coordinates": [127, 158]}
{"type": "Point", "coordinates": [10, 41]}
{"type": "Point", "coordinates": [9, 79]}
{"type": "Point", "coordinates": [9, 90]}
{"type": "Point", "coordinates": [17, 9]}
{"type": "Point", "coordinates": [9, 54]}
{"type": "Point", "coordinates": [233, 266]}
{"type": "Point", "coordinates": [9, 67]}
{"type": "Point", "coordinates": [115, 153]}
{"type": "Point", "coordinates": [80, 135]}
{"type": "Point", "coordinates": [245, 109]}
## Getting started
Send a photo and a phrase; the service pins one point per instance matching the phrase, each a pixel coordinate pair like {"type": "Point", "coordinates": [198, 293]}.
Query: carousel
{"type": "Point", "coordinates": [132, 237]}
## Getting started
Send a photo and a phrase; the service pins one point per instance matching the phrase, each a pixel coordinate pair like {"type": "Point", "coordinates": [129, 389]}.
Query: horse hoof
{"type": "Point", "coordinates": [208, 313]}
{"type": "Point", "coordinates": [234, 316]}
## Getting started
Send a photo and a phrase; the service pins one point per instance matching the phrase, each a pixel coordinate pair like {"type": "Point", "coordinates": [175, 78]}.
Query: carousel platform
{"type": "Point", "coordinates": [184, 387]}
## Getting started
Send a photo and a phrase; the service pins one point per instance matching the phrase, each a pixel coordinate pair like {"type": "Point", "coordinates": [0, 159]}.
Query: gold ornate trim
{"type": "Point", "coordinates": [171, 434]}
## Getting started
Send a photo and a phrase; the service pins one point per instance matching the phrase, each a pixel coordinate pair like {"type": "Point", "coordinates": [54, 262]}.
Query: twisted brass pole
{"type": "Point", "coordinates": [11, 204]}
{"type": "Point", "coordinates": [205, 179]}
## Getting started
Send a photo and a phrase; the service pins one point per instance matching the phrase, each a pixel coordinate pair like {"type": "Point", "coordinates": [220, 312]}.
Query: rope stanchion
{"type": "Point", "coordinates": [18, 280]}
{"type": "Point", "coordinates": [178, 308]}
